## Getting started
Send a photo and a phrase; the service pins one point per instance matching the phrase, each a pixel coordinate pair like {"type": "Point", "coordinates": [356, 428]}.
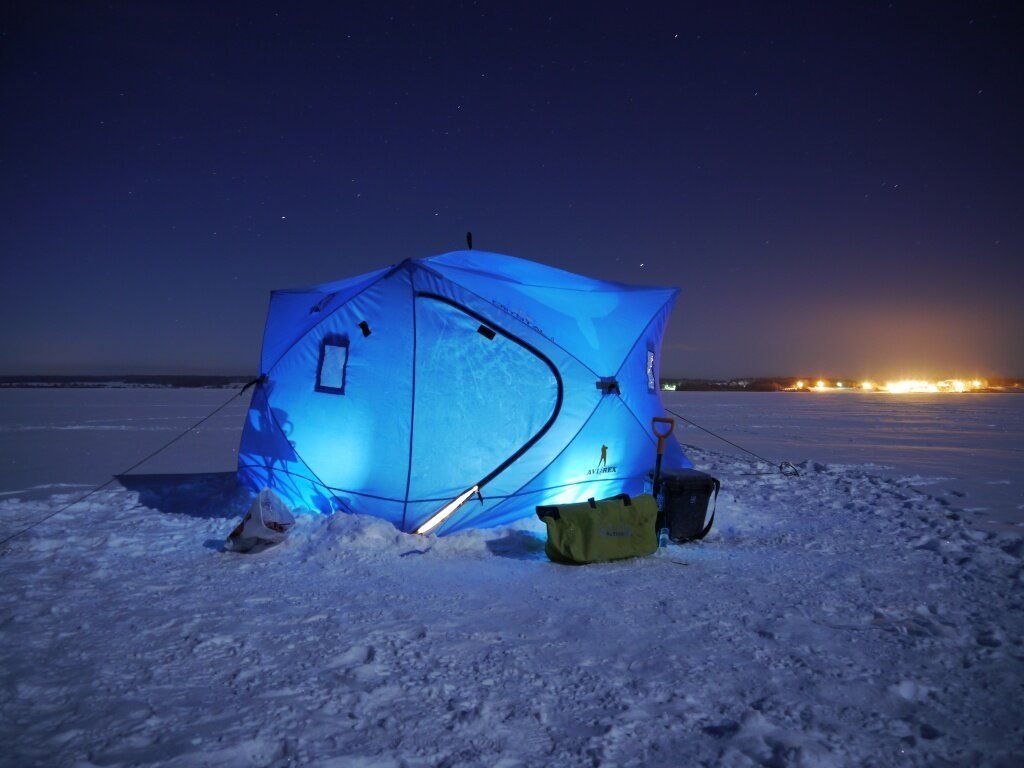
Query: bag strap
{"type": "Point", "coordinates": [714, 508]}
{"type": "Point", "coordinates": [552, 511]}
{"type": "Point", "coordinates": [544, 512]}
{"type": "Point", "coordinates": [623, 497]}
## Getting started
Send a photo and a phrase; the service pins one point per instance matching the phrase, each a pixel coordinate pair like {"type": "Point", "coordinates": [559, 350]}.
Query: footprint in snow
{"type": "Point", "coordinates": [990, 638]}
{"type": "Point", "coordinates": [354, 656]}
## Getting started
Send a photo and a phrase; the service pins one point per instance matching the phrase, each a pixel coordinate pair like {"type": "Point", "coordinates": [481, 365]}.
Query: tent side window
{"type": "Point", "coordinates": [330, 374]}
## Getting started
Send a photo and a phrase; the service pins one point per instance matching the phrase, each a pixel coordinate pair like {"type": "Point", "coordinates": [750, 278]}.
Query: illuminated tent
{"type": "Point", "coordinates": [457, 391]}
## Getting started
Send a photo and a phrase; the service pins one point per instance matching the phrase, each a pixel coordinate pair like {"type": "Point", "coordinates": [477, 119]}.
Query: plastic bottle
{"type": "Point", "coordinates": [663, 538]}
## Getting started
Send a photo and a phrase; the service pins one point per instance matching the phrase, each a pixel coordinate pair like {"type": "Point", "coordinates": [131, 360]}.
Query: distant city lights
{"type": "Point", "coordinates": [897, 387]}
{"type": "Point", "coordinates": [866, 386]}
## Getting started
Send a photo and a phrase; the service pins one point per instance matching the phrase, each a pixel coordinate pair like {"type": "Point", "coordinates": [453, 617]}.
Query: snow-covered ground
{"type": "Point", "coordinates": [844, 617]}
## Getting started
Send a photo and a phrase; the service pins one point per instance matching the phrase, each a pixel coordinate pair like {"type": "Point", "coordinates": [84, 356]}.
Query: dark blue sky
{"type": "Point", "coordinates": [836, 188]}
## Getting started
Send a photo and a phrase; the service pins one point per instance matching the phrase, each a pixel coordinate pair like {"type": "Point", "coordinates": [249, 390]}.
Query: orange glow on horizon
{"type": "Point", "coordinates": [897, 386]}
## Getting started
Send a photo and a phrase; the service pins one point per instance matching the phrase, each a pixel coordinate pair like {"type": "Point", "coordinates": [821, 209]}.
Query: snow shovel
{"type": "Point", "coordinates": [656, 484]}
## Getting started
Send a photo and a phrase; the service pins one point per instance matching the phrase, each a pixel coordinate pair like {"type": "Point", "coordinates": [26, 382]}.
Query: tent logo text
{"type": "Point", "coordinates": [521, 318]}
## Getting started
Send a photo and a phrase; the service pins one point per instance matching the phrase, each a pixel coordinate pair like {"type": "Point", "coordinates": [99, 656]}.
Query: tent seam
{"type": "Point", "coordinates": [412, 404]}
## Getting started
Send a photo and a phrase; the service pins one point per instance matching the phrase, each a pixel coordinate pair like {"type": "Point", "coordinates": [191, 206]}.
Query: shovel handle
{"type": "Point", "coordinates": [661, 435]}
{"type": "Point", "coordinates": [662, 420]}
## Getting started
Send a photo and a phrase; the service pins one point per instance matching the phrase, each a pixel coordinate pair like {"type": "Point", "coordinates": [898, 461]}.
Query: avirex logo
{"type": "Point", "coordinates": [602, 464]}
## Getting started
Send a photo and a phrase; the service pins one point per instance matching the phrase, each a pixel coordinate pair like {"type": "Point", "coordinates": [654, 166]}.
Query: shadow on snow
{"type": "Point", "coordinates": [518, 545]}
{"type": "Point", "coordinates": [208, 495]}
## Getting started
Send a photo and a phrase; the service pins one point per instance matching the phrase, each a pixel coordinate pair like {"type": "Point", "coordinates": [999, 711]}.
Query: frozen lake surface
{"type": "Point", "coordinates": [966, 448]}
{"type": "Point", "coordinates": [852, 616]}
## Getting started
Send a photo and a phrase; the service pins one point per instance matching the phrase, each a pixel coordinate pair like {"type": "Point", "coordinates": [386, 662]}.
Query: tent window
{"type": "Point", "coordinates": [330, 376]}
{"type": "Point", "coordinates": [652, 385]}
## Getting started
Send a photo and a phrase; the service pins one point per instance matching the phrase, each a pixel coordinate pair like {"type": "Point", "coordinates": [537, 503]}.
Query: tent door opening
{"type": "Point", "coordinates": [482, 397]}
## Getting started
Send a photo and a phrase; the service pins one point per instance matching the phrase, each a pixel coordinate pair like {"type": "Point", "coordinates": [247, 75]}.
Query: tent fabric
{"type": "Point", "coordinates": [457, 391]}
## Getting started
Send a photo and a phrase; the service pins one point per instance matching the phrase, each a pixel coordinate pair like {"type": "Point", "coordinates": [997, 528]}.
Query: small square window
{"type": "Point", "coordinates": [330, 377]}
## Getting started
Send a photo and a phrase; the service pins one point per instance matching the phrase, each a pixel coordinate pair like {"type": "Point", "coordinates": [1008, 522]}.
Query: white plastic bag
{"type": "Point", "coordinates": [267, 523]}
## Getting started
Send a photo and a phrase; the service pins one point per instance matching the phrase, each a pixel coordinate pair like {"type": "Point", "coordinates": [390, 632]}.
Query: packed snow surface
{"type": "Point", "coordinates": [844, 617]}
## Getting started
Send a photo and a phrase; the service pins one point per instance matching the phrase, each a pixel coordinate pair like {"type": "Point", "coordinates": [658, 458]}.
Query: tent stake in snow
{"type": "Point", "coordinates": [662, 436]}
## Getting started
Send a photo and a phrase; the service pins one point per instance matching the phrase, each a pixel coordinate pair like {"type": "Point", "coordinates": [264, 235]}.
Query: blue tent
{"type": "Point", "coordinates": [457, 391]}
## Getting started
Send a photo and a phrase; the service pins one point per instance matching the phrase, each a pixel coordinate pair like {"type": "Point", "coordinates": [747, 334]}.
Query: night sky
{"type": "Point", "coordinates": [836, 188]}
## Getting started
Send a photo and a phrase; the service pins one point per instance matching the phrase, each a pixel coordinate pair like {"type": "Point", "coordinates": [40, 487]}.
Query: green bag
{"type": "Point", "coordinates": [597, 531]}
